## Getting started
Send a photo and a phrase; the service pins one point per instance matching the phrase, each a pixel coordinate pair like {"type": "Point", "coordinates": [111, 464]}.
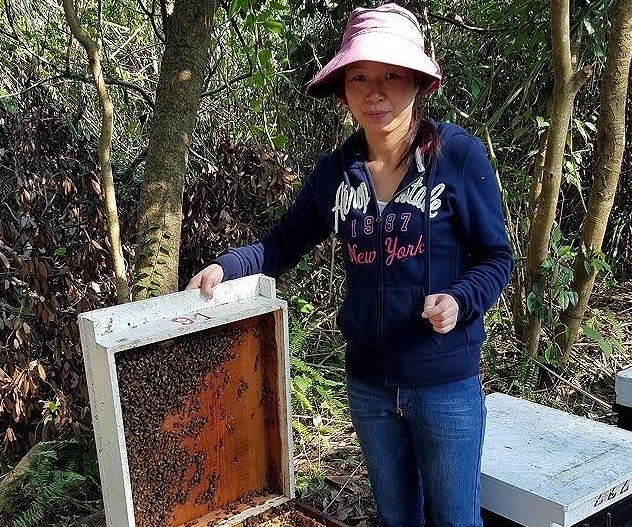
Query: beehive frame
{"type": "Point", "coordinates": [105, 333]}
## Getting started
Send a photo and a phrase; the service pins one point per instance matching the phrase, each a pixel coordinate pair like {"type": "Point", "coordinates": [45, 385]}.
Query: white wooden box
{"type": "Point", "coordinates": [190, 405]}
{"type": "Point", "coordinates": [623, 387]}
{"type": "Point", "coordinates": [543, 467]}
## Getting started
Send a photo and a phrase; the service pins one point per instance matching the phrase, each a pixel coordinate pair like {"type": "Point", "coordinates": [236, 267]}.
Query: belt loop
{"type": "Point", "coordinates": [399, 410]}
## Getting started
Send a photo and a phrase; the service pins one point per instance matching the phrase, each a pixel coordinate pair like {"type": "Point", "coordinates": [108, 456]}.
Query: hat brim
{"type": "Point", "coordinates": [385, 47]}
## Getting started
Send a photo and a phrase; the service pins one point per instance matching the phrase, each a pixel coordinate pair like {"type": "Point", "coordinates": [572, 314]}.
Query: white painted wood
{"type": "Point", "coordinates": [105, 332]}
{"type": "Point", "coordinates": [187, 322]}
{"type": "Point", "coordinates": [623, 387]}
{"type": "Point", "coordinates": [544, 467]}
{"type": "Point", "coordinates": [285, 410]}
{"type": "Point", "coordinates": [108, 428]}
{"type": "Point", "coordinates": [117, 320]}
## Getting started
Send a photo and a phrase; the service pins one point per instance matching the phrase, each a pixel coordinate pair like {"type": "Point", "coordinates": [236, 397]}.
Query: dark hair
{"type": "Point", "coordinates": [421, 134]}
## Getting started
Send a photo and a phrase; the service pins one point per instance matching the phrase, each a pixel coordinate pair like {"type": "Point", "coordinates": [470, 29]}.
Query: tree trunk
{"type": "Point", "coordinates": [521, 279]}
{"type": "Point", "coordinates": [105, 145]}
{"type": "Point", "coordinates": [608, 159]}
{"type": "Point", "coordinates": [183, 67]}
{"type": "Point", "coordinates": [566, 85]}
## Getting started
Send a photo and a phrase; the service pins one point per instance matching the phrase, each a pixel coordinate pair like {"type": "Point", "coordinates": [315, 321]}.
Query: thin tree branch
{"type": "Point", "coordinates": [227, 85]}
{"type": "Point", "coordinates": [152, 19]}
{"type": "Point", "coordinates": [459, 23]}
{"type": "Point", "coordinates": [100, 21]}
{"type": "Point", "coordinates": [8, 35]}
{"type": "Point", "coordinates": [72, 76]}
{"type": "Point", "coordinates": [573, 385]}
{"type": "Point", "coordinates": [9, 11]}
{"type": "Point", "coordinates": [117, 82]}
{"type": "Point", "coordinates": [560, 39]}
{"type": "Point", "coordinates": [230, 82]}
{"type": "Point", "coordinates": [105, 145]}
{"type": "Point", "coordinates": [164, 14]}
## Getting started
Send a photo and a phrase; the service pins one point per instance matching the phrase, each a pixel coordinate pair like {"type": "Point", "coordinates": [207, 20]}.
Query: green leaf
{"type": "Point", "coordinates": [591, 333]}
{"type": "Point", "coordinates": [589, 27]}
{"type": "Point", "coordinates": [256, 79]}
{"type": "Point", "coordinates": [606, 347]}
{"type": "Point", "coordinates": [264, 57]}
{"type": "Point", "coordinates": [549, 353]}
{"type": "Point", "coordinates": [280, 141]}
{"type": "Point", "coordinates": [274, 25]}
{"type": "Point", "coordinates": [475, 89]}
{"type": "Point", "coordinates": [564, 300]}
{"type": "Point", "coordinates": [302, 383]}
{"type": "Point", "coordinates": [237, 6]}
{"type": "Point", "coordinates": [256, 105]}
{"type": "Point", "coordinates": [304, 306]}
{"type": "Point", "coordinates": [533, 303]}
{"type": "Point", "coordinates": [542, 122]}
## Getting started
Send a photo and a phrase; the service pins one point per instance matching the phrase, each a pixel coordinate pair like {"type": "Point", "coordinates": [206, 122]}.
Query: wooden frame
{"type": "Point", "coordinates": [120, 331]}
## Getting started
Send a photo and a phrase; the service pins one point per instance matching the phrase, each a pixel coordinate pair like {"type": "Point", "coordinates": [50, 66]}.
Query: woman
{"type": "Point", "coordinates": [416, 207]}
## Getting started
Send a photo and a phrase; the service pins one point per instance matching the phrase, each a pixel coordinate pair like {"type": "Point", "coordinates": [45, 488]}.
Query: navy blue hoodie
{"type": "Point", "coordinates": [450, 239]}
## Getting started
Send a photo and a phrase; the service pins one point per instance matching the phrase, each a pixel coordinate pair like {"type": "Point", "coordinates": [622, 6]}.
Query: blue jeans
{"type": "Point", "coordinates": [422, 447]}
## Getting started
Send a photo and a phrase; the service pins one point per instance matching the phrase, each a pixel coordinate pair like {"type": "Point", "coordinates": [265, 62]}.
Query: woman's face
{"type": "Point", "coordinates": [380, 96]}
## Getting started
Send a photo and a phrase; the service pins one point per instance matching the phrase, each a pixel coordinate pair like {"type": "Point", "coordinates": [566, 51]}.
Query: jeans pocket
{"type": "Point", "coordinates": [367, 401]}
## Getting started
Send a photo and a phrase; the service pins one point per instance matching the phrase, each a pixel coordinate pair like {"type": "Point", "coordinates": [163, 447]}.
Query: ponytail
{"type": "Point", "coordinates": [421, 134]}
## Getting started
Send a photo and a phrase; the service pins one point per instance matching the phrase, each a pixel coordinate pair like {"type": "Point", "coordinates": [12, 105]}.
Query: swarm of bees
{"type": "Point", "coordinates": [286, 515]}
{"type": "Point", "coordinates": [155, 381]}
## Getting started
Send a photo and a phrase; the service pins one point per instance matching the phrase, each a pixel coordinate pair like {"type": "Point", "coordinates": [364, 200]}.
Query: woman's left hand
{"type": "Point", "coordinates": [442, 311]}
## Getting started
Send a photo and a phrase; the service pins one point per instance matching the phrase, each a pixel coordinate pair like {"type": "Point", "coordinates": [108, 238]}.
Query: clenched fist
{"type": "Point", "coordinates": [442, 311]}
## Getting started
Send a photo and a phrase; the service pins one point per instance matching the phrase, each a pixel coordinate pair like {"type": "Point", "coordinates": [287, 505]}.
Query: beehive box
{"type": "Point", "coordinates": [190, 408]}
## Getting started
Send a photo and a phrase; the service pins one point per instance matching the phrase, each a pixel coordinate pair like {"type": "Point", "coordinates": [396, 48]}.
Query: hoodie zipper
{"type": "Point", "coordinates": [380, 242]}
{"type": "Point", "coordinates": [380, 274]}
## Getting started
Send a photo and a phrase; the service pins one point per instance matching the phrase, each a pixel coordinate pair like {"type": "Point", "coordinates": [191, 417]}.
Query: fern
{"type": "Point", "coordinates": [312, 390]}
{"type": "Point", "coordinates": [527, 373]}
{"type": "Point", "coordinates": [52, 483]}
{"type": "Point", "coordinates": [298, 337]}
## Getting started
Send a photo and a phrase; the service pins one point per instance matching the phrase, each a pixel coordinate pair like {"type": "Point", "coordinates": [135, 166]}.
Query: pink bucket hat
{"type": "Point", "coordinates": [388, 34]}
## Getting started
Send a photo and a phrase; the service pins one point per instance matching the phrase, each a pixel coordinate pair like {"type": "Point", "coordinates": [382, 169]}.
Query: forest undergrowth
{"type": "Point", "coordinates": [61, 486]}
{"type": "Point", "coordinates": [330, 473]}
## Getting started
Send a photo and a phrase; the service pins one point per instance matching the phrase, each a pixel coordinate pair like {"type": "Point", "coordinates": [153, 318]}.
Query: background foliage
{"type": "Point", "coordinates": [257, 135]}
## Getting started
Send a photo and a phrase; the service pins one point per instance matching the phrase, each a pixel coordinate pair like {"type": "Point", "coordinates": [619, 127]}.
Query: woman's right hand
{"type": "Point", "coordinates": [206, 280]}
